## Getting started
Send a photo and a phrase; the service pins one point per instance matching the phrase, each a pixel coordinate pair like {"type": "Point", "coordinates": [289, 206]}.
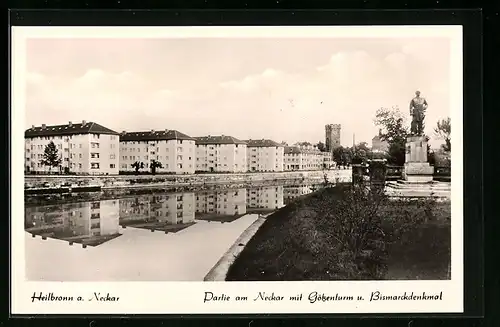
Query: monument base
{"type": "Point", "coordinates": [417, 169]}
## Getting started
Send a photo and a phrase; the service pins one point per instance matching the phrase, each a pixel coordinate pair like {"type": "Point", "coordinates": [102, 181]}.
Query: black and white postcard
{"type": "Point", "coordinates": [208, 170]}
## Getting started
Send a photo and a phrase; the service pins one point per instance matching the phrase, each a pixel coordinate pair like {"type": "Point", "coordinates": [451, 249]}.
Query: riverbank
{"type": "Point", "coordinates": [196, 180]}
{"type": "Point", "coordinates": [312, 239]}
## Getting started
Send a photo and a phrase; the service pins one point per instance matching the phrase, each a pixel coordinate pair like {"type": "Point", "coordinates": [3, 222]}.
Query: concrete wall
{"type": "Point", "coordinates": [193, 180]}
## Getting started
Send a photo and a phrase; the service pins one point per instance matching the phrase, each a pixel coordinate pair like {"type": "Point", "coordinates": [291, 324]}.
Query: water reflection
{"type": "Point", "coordinates": [88, 223]}
{"type": "Point", "coordinates": [96, 222]}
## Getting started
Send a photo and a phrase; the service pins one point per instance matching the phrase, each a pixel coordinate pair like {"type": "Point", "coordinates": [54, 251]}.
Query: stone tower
{"type": "Point", "coordinates": [332, 136]}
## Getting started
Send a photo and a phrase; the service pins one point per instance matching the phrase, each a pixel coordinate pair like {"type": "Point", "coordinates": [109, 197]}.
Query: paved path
{"type": "Point", "coordinates": [137, 255]}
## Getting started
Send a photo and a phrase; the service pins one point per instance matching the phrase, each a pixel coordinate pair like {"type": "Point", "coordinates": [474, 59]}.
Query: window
{"type": "Point", "coordinates": [94, 145]}
{"type": "Point", "coordinates": [79, 165]}
{"type": "Point", "coordinates": [95, 205]}
{"type": "Point", "coordinates": [112, 156]}
{"type": "Point", "coordinates": [179, 149]}
{"type": "Point", "coordinates": [94, 165]}
{"type": "Point", "coordinates": [94, 155]}
{"type": "Point", "coordinates": [80, 156]}
{"type": "Point", "coordinates": [145, 157]}
{"type": "Point", "coordinates": [111, 165]}
{"type": "Point", "coordinates": [179, 157]}
{"type": "Point", "coordinates": [80, 145]}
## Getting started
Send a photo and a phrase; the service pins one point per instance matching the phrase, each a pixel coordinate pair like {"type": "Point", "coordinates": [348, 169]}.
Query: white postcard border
{"type": "Point", "coordinates": [187, 297]}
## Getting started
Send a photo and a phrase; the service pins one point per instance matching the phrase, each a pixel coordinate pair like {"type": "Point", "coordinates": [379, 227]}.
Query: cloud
{"type": "Point", "coordinates": [346, 88]}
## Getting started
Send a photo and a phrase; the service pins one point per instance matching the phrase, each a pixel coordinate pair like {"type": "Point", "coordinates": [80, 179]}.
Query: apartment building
{"type": "Point", "coordinates": [173, 150]}
{"type": "Point", "coordinates": [265, 197]}
{"type": "Point", "coordinates": [85, 148]}
{"type": "Point", "coordinates": [328, 162]}
{"type": "Point", "coordinates": [222, 203]}
{"type": "Point", "coordinates": [303, 156]}
{"type": "Point", "coordinates": [221, 154]}
{"type": "Point", "coordinates": [265, 155]}
{"type": "Point", "coordinates": [177, 208]}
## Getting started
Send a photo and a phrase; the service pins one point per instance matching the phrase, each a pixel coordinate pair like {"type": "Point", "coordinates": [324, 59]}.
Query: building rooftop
{"type": "Point", "coordinates": [164, 135]}
{"type": "Point", "coordinates": [69, 129]}
{"type": "Point", "coordinates": [221, 139]}
{"type": "Point", "coordinates": [263, 143]}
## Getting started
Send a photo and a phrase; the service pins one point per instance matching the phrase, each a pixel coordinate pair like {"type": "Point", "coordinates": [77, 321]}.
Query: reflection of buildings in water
{"type": "Point", "coordinates": [265, 197]}
{"type": "Point", "coordinates": [84, 221]}
{"type": "Point", "coordinates": [292, 192]}
{"type": "Point", "coordinates": [227, 203]}
{"type": "Point", "coordinates": [177, 208]}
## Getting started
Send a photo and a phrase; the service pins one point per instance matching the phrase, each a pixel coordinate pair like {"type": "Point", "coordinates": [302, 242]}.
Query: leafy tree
{"type": "Point", "coordinates": [155, 164]}
{"type": "Point", "coordinates": [321, 146]}
{"type": "Point", "coordinates": [51, 156]}
{"type": "Point", "coordinates": [443, 131]}
{"type": "Point", "coordinates": [137, 165]}
{"type": "Point", "coordinates": [394, 132]}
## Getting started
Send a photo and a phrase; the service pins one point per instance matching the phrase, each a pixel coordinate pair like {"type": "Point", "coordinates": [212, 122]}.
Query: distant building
{"type": "Point", "coordinates": [303, 156]}
{"type": "Point", "coordinates": [221, 154]}
{"type": "Point", "coordinates": [174, 150]}
{"type": "Point", "coordinates": [265, 155]}
{"type": "Point", "coordinates": [328, 162]}
{"type": "Point", "coordinates": [378, 145]}
{"type": "Point", "coordinates": [85, 148]}
{"type": "Point", "coordinates": [332, 136]}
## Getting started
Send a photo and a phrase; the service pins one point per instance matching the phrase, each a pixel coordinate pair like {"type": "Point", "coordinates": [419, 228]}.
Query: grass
{"type": "Point", "coordinates": [317, 238]}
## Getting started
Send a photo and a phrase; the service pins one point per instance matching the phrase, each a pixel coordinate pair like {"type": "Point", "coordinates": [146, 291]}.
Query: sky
{"type": "Point", "coordinates": [284, 89]}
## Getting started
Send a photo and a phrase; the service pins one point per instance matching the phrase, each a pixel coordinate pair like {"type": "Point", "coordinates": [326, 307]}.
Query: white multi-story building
{"type": "Point", "coordinates": [265, 197]}
{"type": "Point", "coordinates": [221, 154]}
{"type": "Point", "coordinates": [84, 148]}
{"type": "Point", "coordinates": [265, 155]}
{"type": "Point", "coordinates": [175, 151]}
{"type": "Point", "coordinates": [303, 156]}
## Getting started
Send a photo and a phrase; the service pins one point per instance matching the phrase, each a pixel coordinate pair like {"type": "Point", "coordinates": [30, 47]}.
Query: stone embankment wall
{"type": "Point", "coordinates": [200, 180]}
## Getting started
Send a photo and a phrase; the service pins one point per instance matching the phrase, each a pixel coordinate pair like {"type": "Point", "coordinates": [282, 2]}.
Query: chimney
{"type": "Point", "coordinates": [70, 124]}
{"type": "Point", "coordinates": [166, 130]}
{"type": "Point", "coordinates": [32, 126]}
{"type": "Point", "coordinates": [124, 132]}
{"type": "Point", "coordinates": [152, 131]}
{"type": "Point", "coordinates": [84, 122]}
{"type": "Point", "coordinates": [44, 126]}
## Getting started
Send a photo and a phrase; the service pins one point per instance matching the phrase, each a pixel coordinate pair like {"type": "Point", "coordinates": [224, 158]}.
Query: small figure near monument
{"type": "Point", "coordinates": [418, 106]}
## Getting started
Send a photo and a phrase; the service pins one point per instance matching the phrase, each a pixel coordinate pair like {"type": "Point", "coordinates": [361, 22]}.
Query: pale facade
{"type": "Point", "coordinates": [86, 148]}
{"type": "Point", "coordinates": [226, 203]}
{"type": "Point", "coordinates": [175, 151]}
{"type": "Point", "coordinates": [378, 145]}
{"type": "Point", "coordinates": [292, 192]}
{"type": "Point", "coordinates": [265, 155]}
{"type": "Point", "coordinates": [224, 154]}
{"type": "Point", "coordinates": [177, 208]}
{"type": "Point", "coordinates": [265, 197]}
{"type": "Point", "coordinates": [303, 156]}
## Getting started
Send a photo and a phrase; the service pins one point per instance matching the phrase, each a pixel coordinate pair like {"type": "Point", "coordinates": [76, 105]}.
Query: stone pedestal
{"type": "Point", "coordinates": [417, 169]}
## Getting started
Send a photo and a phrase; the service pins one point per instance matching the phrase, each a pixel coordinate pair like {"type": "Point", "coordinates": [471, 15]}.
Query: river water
{"type": "Point", "coordinates": [158, 236]}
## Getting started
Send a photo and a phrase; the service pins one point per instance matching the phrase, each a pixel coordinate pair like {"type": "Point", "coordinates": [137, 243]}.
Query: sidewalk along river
{"type": "Point", "coordinates": [137, 237]}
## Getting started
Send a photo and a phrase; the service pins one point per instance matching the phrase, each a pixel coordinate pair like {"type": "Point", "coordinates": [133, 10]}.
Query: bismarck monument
{"type": "Point", "coordinates": [417, 169]}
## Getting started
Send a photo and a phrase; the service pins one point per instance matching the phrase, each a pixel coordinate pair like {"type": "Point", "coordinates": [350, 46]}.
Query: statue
{"type": "Point", "coordinates": [418, 105]}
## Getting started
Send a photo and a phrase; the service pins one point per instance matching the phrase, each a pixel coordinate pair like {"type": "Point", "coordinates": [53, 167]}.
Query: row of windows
{"type": "Point", "coordinates": [158, 149]}
{"type": "Point", "coordinates": [179, 157]}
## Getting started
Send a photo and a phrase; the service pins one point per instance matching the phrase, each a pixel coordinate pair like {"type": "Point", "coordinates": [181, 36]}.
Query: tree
{"type": "Point", "coordinates": [155, 164]}
{"type": "Point", "coordinates": [443, 131]}
{"type": "Point", "coordinates": [321, 146]}
{"type": "Point", "coordinates": [137, 165]}
{"type": "Point", "coordinates": [394, 132]}
{"type": "Point", "coordinates": [51, 156]}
